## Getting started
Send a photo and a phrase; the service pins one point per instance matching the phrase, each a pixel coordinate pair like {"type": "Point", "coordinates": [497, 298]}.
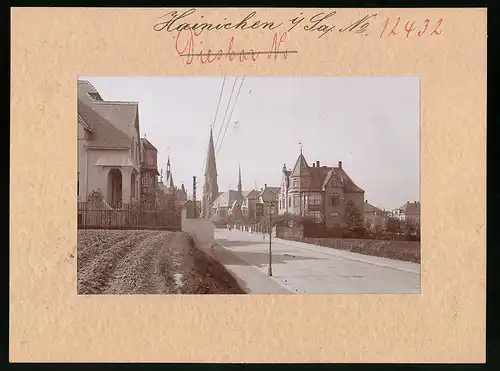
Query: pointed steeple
{"type": "Point", "coordinates": [301, 167]}
{"type": "Point", "coordinates": [210, 187]}
{"type": "Point", "coordinates": [211, 167]}
{"type": "Point", "coordinates": [170, 180]}
{"type": "Point", "coordinates": [239, 178]}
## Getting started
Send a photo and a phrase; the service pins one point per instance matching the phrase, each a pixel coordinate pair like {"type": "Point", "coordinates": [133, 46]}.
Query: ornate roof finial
{"type": "Point", "coordinates": [300, 144]}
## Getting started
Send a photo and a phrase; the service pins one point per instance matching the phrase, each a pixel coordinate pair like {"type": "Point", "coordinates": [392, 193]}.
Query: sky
{"type": "Point", "coordinates": [371, 124]}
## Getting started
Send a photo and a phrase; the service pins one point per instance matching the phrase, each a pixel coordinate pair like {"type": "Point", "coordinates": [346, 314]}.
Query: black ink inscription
{"type": "Point", "coordinates": [177, 22]}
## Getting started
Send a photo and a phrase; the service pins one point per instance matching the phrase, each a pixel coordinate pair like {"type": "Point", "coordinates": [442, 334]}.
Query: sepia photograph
{"type": "Point", "coordinates": [248, 185]}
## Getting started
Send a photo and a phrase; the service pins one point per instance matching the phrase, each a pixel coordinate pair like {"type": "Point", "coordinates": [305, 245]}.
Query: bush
{"type": "Point", "coordinates": [353, 224]}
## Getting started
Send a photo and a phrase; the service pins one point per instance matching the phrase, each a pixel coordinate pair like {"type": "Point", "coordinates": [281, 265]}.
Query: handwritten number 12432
{"type": "Point", "coordinates": [397, 26]}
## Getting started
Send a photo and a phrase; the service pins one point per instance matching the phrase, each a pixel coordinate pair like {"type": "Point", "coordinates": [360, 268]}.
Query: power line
{"type": "Point", "coordinates": [225, 113]}
{"type": "Point", "coordinates": [231, 114]}
{"type": "Point", "coordinates": [218, 103]}
{"type": "Point", "coordinates": [215, 118]}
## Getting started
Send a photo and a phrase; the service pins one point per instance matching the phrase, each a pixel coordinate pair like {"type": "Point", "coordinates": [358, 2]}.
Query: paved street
{"type": "Point", "coordinates": [305, 268]}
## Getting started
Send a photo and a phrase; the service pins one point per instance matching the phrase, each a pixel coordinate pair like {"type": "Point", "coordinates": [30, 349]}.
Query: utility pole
{"type": "Point", "coordinates": [194, 196]}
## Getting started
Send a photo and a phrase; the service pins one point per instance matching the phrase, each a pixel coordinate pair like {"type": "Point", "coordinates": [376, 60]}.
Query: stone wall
{"type": "Point", "coordinates": [201, 230]}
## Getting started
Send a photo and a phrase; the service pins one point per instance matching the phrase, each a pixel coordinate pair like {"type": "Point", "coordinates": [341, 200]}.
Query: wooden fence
{"type": "Point", "coordinates": [98, 215]}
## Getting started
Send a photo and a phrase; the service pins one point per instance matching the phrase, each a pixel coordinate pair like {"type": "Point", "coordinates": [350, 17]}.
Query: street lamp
{"type": "Point", "coordinates": [271, 209]}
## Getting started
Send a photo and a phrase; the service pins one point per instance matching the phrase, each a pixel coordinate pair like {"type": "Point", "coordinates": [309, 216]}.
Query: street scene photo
{"type": "Point", "coordinates": [248, 185]}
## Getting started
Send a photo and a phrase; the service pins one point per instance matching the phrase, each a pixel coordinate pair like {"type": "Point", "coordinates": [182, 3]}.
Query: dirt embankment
{"type": "Point", "coordinates": [147, 262]}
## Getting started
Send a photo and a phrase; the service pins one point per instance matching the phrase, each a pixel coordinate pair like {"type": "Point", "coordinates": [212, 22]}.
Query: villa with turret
{"type": "Point", "coordinates": [318, 191]}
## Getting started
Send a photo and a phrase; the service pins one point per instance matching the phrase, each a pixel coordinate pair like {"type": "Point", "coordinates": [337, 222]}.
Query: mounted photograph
{"type": "Point", "coordinates": [248, 185]}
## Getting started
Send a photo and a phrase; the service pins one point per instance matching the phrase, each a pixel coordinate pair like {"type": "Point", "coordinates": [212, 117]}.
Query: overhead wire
{"type": "Point", "coordinates": [225, 113]}
{"type": "Point", "coordinates": [230, 115]}
{"type": "Point", "coordinates": [215, 118]}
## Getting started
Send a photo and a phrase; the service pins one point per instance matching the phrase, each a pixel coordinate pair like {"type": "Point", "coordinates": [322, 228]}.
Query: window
{"type": "Point", "coordinates": [147, 180]}
{"type": "Point", "coordinates": [296, 200]}
{"type": "Point", "coordinates": [78, 185]}
{"type": "Point", "coordinates": [315, 198]}
{"type": "Point", "coordinates": [317, 217]}
{"type": "Point", "coordinates": [334, 183]}
{"type": "Point", "coordinates": [334, 199]}
{"type": "Point", "coordinates": [295, 182]}
{"type": "Point", "coordinates": [289, 202]}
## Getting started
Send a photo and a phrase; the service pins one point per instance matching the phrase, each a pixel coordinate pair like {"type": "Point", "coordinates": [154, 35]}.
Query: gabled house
{"type": "Point", "coordinates": [320, 192]}
{"type": "Point", "coordinates": [410, 210]}
{"type": "Point", "coordinates": [248, 207]}
{"type": "Point", "coordinates": [109, 155]}
{"type": "Point", "coordinates": [371, 212]}
{"type": "Point", "coordinates": [266, 196]}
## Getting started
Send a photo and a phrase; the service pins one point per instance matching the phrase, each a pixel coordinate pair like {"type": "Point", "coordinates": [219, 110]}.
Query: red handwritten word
{"type": "Point", "coordinates": [406, 27]}
{"type": "Point", "coordinates": [186, 47]}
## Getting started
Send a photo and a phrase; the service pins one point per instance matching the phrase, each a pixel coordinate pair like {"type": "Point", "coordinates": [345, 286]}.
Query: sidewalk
{"type": "Point", "coordinates": [375, 260]}
{"type": "Point", "coordinates": [312, 269]}
{"type": "Point", "coordinates": [249, 277]}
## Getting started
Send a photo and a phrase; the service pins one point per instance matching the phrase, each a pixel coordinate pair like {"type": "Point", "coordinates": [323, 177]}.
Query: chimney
{"type": "Point", "coordinates": [265, 186]}
{"type": "Point", "coordinates": [366, 201]}
{"type": "Point", "coordinates": [314, 165]}
{"type": "Point", "coordinates": [317, 163]}
{"type": "Point", "coordinates": [407, 202]}
{"type": "Point", "coordinates": [340, 164]}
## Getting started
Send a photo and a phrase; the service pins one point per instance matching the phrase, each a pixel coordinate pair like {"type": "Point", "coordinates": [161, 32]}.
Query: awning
{"type": "Point", "coordinates": [115, 160]}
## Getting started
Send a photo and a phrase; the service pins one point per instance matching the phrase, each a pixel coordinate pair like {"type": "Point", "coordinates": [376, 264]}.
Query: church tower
{"type": "Point", "coordinates": [210, 187]}
{"type": "Point", "coordinates": [170, 180]}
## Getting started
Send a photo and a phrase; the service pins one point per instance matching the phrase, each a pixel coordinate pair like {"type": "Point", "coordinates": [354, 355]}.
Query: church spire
{"type": "Point", "coordinates": [210, 187]}
{"type": "Point", "coordinates": [239, 178]}
{"type": "Point", "coordinates": [170, 180]}
{"type": "Point", "coordinates": [211, 167]}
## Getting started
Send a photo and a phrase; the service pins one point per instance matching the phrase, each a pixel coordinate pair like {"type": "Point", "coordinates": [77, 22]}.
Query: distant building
{"type": "Point", "coordinates": [149, 172]}
{"type": "Point", "coordinates": [371, 212]}
{"type": "Point", "coordinates": [410, 210]}
{"type": "Point", "coordinates": [266, 196]}
{"type": "Point", "coordinates": [321, 192]}
{"type": "Point", "coordinates": [239, 205]}
{"type": "Point", "coordinates": [249, 205]}
{"type": "Point", "coordinates": [168, 192]}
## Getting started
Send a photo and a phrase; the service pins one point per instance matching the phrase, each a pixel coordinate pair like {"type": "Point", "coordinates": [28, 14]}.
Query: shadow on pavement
{"type": "Point", "coordinates": [259, 259]}
{"type": "Point", "coordinates": [231, 243]}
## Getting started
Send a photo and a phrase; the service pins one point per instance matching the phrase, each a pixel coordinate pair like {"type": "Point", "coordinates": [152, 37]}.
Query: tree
{"type": "Point", "coordinates": [352, 224]}
{"type": "Point", "coordinates": [377, 226]}
{"type": "Point", "coordinates": [392, 226]}
{"type": "Point", "coordinates": [368, 227]}
{"type": "Point", "coordinates": [410, 229]}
